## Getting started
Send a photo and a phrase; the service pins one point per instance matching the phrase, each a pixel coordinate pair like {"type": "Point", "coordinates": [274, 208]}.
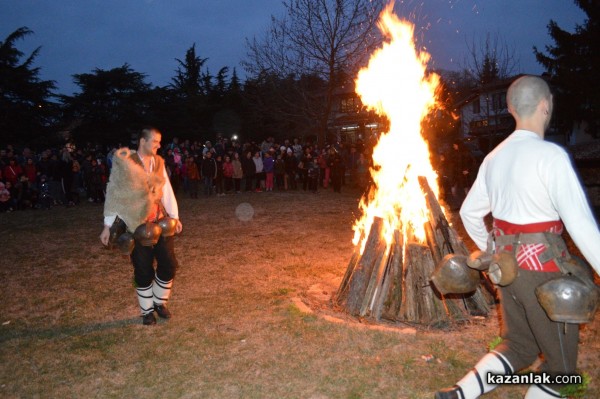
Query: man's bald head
{"type": "Point", "coordinates": [525, 94]}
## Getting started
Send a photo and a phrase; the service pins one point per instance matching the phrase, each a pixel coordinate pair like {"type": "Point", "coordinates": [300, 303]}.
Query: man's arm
{"type": "Point", "coordinates": [475, 207]}
{"type": "Point", "coordinates": [170, 202]}
{"type": "Point", "coordinates": [572, 206]}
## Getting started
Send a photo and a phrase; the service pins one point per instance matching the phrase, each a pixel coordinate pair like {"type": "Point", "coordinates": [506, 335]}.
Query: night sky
{"type": "Point", "coordinates": [78, 36]}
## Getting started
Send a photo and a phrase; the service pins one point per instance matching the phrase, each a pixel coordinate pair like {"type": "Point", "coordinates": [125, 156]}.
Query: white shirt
{"type": "Point", "coordinates": [168, 200]}
{"type": "Point", "coordinates": [528, 180]}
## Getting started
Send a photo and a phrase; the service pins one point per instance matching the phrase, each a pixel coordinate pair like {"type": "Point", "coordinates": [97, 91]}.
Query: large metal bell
{"type": "Point", "coordinates": [503, 268]}
{"type": "Point", "coordinates": [453, 276]}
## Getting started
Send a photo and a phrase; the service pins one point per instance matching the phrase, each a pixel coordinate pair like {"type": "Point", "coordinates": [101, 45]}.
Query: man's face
{"type": "Point", "coordinates": [150, 146]}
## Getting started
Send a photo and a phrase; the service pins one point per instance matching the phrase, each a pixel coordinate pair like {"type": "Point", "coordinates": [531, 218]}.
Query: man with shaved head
{"type": "Point", "coordinates": [531, 189]}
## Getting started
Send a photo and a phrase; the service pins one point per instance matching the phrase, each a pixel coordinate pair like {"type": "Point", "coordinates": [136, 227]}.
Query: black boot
{"type": "Point", "coordinates": [454, 392]}
{"type": "Point", "coordinates": [149, 319]}
{"type": "Point", "coordinates": [162, 311]}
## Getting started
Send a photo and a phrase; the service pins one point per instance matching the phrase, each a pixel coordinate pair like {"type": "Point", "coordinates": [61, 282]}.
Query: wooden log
{"type": "Point", "coordinates": [342, 292]}
{"type": "Point", "coordinates": [419, 302]}
{"type": "Point", "coordinates": [361, 275]}
{"type": "Point", "coordinates": [382, 292]}
{"type": "Point", "coordinates": [392, 299]}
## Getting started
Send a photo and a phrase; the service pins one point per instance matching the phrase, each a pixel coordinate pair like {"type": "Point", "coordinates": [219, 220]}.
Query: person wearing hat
{"type": "Point", "coordinates": [139, 192]}
{"type": "Point", "coordinates": [531, 189]}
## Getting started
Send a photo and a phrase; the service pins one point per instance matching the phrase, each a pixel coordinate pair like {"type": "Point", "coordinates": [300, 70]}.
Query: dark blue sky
{"type": "Point", "coordinates": [79, 35]}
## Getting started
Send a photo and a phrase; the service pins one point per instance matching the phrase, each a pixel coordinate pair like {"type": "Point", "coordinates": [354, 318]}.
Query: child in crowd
{"type": "Point", "coordinates": [269, 167]}
{"type": "Point", "coordinates": [279, 169]}
{"type": "Point", "coordinates": [5, 202]}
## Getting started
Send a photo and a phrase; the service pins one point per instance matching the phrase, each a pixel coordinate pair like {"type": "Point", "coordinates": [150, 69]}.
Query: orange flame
{"type": "Point", "coordinates": [395, 84]}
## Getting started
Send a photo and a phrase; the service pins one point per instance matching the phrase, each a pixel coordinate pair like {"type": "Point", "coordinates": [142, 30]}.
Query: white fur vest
{"type": "Point", "coordinates": [131, 192]}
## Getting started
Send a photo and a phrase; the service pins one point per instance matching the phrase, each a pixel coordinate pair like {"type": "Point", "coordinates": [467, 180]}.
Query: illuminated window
{"type": "Point", "coordinates": [349, 105]}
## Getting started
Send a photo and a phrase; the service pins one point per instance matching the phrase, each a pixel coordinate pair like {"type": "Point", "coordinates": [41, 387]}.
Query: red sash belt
{"type": "Point", "coordinates": [527, 254]}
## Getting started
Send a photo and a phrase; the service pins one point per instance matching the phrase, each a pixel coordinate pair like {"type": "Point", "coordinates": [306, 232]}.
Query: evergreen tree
{"type": "Point", "coordinates": [573, 63]}
{"type": "Point", "coordinates": [111, 106]}
{"type": "Point", "coordinates": [26, 112]}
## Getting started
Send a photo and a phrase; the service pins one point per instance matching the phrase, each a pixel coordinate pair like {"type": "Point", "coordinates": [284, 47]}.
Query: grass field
{"type": "Point", "coordinates": [69, 325]}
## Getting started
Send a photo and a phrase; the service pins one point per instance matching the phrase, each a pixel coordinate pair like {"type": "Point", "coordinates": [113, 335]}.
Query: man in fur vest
{"type": "Point", "coordinates": [139, 191]}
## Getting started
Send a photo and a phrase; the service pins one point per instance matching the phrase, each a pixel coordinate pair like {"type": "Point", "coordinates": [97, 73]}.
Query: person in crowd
{"type": "Point", "coordinates": [30, 171]}
{"type": "Point", "coordinates": [337, 170]}
{"type": "Point", "coordinates": [228, 174]}
{"type": "Point", "coordinates": [12, 172]}
{"type": "Point", "coordinates": [193, 175]}
{"type": "Point", "coordinates": [269, 169]}
{"type": "Point", "coordinates": [291, 170]}
{"type": "Point", "coordinates": [123, 194]}
{"type": "Point", "coordinates": [208, 172]}
{"type": "Point", "coordinates": [5, 202]}
{"type": "Point", "coordinates": [303, 167]}
{"type": "Point", "coordinates": [297, 149]}
{"type": "Point", "coordinates": [279, 170]}
{"type": "Point", "coordinates": [312, 173]}
{"type": "Point", "coordinates": [96, 181]}
{"type": "Point", "coordinates": [324, 168]}
{"type": "Point", "coordinates": [249, 169]}
{"type": "Point", "coordinates": [238, 172]}
{"type": "Point", "coordinates": [45, 198]}
{"type": "Point", "coordinates": [260, 171]}
{"type": "Point", "coordinates": [66, 175]}
{"type": "Point", "coordinates": [219, 183]}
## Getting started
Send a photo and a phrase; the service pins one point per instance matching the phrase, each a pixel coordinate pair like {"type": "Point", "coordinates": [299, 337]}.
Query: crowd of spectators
{"type": "Point", "coordinates": [71, 174]}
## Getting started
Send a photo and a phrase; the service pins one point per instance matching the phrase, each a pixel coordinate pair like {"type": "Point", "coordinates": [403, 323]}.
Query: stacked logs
{"type": "Point", "coordinates": [393, 282]}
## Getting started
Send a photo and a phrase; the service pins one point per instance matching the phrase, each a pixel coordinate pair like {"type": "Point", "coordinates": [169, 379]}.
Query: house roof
{"type": "Point", "coordinates": [493, 86]}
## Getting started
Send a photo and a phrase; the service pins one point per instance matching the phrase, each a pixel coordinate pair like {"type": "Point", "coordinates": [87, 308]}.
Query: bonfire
{"type": "Point", "coordinates": [403, 231]}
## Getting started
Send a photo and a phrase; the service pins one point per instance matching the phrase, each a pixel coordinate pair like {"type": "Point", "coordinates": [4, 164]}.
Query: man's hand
{"type": "Point", "coordinates": [105, 235]}
{"type": "Point", "coordinates": [179, 227]}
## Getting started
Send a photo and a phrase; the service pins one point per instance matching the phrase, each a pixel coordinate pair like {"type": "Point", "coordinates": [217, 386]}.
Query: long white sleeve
{"type": "Point", "coordinates": [168, 199]}
{"type": "Point", "coordinates": [475, 207]}
{"type": "Point", "coordinates": [574, 210]}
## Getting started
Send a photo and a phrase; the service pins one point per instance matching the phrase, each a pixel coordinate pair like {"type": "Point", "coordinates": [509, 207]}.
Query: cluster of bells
{"type": "Point", "coordinates": [570, 298]}
{"type": "Point", "coordinates": [146, 234]}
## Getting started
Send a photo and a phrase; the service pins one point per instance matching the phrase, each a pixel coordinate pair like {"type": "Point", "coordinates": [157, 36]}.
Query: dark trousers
{"type": "Point", "coordinates": [208, 185]}
{"type": "Point", "coordinates": [193, 186]}
{"type": "Point", "coordinates": [142, 259]}
{"type": "Point", "coordinates": [228, 184]}
{"type": "Point", "coordinates": [527, 331]}
{"type": "Point", "coordinates": [249, 183]}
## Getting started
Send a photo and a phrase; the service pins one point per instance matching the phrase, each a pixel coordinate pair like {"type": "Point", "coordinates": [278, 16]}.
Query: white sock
{"type": "Point", "coordinates": [474, 384]}
{"type": "Point", "coordinates": [144, 295]}
{"type": "Point", "coordinates": [541, 391]}
{"type": "Point", "coordinates": [161, 290]}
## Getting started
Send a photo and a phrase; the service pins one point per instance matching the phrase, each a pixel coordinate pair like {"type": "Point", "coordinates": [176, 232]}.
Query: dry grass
{"type": "Point", "coordinates": [70, 326]}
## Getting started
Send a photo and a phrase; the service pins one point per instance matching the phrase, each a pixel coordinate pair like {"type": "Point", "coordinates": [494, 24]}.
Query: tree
{"type": "Point", "coordinates": [490, 60]}
{"type": "Point", "coordinates": [573, 63]}
{"type": "Point", "coordinates": [112, 104]}
{"type": "Point", "coordinates": [188, 79]}
{"type": "Point", "coordinates": [26, 112]}
{"type": "Point", "coordinates": [318, 38]}
{"type": "Point", "coordinates": [191, 88]}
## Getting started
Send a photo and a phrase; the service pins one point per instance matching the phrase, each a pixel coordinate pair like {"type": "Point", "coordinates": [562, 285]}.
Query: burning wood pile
{"type": "Point", "coordinates": [393, 283]}
{"type": "Point", "coordinates": [403, 231]}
